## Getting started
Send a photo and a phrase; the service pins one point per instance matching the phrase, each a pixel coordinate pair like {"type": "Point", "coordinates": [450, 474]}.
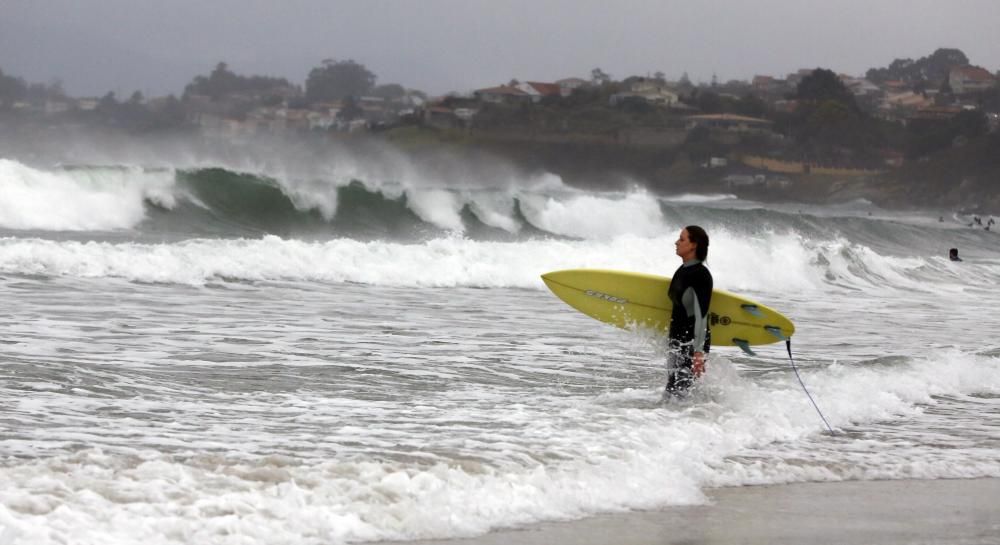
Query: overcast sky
{"type": "Point", "coordinates": [158, 46]}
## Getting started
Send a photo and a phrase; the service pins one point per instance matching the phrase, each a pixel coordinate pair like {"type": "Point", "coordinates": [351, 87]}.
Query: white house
{"type": "Point", "coordinates": [502, 94]}
{"type": "Point", "coordinates": [87, 104]}
{"type": "Point", "coordinates": [537, 90]}
{"type": "Point", "coordinates": [568, 85]}
{"type": "Point", "coordinates": [970, 79]}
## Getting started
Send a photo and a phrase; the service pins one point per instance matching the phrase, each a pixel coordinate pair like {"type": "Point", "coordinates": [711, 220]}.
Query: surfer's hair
{"type": "Point", "coordinates": [698, 236]}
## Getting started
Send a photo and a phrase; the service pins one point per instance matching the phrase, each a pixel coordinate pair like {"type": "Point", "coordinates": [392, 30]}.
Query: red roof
{"type": "Point", "coordinates": [546, 89]}
{"type": "Point", "coordinates": [973, 73]}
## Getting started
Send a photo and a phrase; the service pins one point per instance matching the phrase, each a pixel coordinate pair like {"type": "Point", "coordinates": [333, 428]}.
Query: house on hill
{"type": "Point", "coordinates": [568, 85]}
{"type": "Point", "coordinates": [504, 94]}
{"type": "Point", "coordinates": [762, 83]}
{"type": "Point", "coordinates": [766, 84]}
{"type": "Point", "coordinates": [795, 78]}
{"type": "Point", "coordinates": [439, 116]}
{"type": "Point", "coordinates": [898, 106]}
{"type": "Point", "coordinates": [895, 86]}
{"type": "Point", "coordinates": [970, 79]}
{"type": "Point", "coordinates": [646, 90]}
{"type": "Point", "coordinates": [88, 104]}
{"type": "Point", "coordinates": [859, 87]}
{"type": "Point", "coordinates": [537, 91]}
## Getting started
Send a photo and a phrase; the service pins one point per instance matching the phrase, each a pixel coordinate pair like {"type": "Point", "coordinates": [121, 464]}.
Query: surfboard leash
{"type": "Point", "coordinates": [788, 345]}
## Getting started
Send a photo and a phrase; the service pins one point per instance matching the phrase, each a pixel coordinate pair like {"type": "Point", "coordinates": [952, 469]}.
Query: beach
{"type": "Point", "coordinates": [950, 511]}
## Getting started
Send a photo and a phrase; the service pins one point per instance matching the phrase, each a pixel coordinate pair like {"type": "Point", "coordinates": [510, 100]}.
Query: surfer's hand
{"type": "Point", "coordinates": [698, 367]}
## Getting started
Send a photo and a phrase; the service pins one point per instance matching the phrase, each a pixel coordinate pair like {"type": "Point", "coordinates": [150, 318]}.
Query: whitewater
{"type": "Point", "coordinates": [361, 349]}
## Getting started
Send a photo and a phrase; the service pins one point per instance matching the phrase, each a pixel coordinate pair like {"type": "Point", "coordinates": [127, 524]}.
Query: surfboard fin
{"type": "Point", "coordinates": [752, 309]}
{"type": "Point", "coordinates": [776, 331]}
{"type": "Point", "coordinates": [744, 346]}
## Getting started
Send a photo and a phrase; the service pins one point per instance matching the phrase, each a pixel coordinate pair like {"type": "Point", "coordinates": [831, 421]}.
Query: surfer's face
{"type": "Point", "coordinates": [685, 248]}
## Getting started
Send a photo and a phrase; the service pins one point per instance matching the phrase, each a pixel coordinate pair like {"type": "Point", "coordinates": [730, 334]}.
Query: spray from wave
{"type": "Point", "coordinates": [784, 262]}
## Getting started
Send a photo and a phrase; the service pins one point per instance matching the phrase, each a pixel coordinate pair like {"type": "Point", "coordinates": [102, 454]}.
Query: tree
{"type": "Point", "coordinates": [926, 136]}
{"type": "Point", "coordinates": [337, 80]}
{"type": "Point", "coordinates": [822, 85]}
{"type": "Point", "coordinates": [933, 67]}
{"type": "Point", "coordinates": [970, 123]}
{"type": "Point", "coordinates": [828, 122]}
{"type": "Point", "coordinates": [219, 83]}
{"type": "Point", "coordinates": [751, 105]}
{"type": "Point", "coordinates": [389, 91]}
{"type": "Point", "coordinates": [11, 89]}
{"type": "Point", "coordinates": [171, 116]}
{"type": "Point", "coordinates": [709, 102]}
{"type": "Point", "coordinates": [350, 110]}
{"type": "Point", "coordinates": [945, 95]}
{"type": "Point", "coordinates": [55, 89]}
{"type": "Point", "coordinates": [599, 77]}
{"type": "Point", "coordinates": [108, 103]}
{"type": "Point", "coordinates": [222, 82]}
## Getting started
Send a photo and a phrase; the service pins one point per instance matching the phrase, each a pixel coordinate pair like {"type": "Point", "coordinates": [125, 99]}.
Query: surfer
{"type": "Point", "coordinates": [953, 254]}
{"type": "Point", "coordinates": [690, 294]}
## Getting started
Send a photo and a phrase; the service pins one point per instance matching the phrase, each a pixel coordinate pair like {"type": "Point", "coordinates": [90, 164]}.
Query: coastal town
{"type": "Point", "coordinates": [769, 134]}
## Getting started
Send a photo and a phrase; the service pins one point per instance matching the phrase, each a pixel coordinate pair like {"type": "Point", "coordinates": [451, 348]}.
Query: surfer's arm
{"type": "Point", "coordinates": [693, 308]}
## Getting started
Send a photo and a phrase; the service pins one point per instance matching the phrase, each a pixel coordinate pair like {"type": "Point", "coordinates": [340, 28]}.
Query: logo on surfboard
{"type": "Point", "coordinates": [715, 319]}
{"type": "Point", "coordinates": [606, 297]}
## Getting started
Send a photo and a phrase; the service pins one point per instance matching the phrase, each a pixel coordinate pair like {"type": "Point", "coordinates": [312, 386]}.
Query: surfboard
{"type": "Point", "coordinates": [628, 299]}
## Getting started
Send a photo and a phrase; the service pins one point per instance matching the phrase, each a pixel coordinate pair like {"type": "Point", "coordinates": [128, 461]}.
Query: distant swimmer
{"type": "Point", "coordinates": [953, 254]}
{"type": "Point", "coordinates": [690, 294]}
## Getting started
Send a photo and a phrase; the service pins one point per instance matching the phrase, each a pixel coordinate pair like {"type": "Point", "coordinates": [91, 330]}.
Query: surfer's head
{"type": "Point", "coordinates": [697, 238]}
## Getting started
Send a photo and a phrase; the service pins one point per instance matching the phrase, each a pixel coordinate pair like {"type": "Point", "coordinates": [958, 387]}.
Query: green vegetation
{"type": "Point", "coordinates": [337, 80]}
{"type": "Point", "coordinates": [933, 69]}
{"type": "Point", "coordinates": [11, 89]}
{"type": "Point", "coordinates": [132, 116]}
{"type": "Point", "coordinates": [929, 136]}
{"type": "Point", "coordinates": [966, 175]}
{"type": "Point", "coordinates": [222, 82]}
{"type": "Point", "coordinates": [828, 125]}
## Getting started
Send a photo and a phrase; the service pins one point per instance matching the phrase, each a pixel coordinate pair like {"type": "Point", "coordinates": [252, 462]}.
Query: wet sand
{"type": "Point", "coordinates": [959, 511]}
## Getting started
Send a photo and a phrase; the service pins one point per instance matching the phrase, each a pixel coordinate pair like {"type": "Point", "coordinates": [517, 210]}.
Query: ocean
{"type": "Point", "coordinates": [358, 347]}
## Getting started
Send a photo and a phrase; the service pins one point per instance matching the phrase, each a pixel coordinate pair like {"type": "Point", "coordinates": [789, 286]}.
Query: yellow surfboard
{"type": "Point", "coordinates": [627, 299]}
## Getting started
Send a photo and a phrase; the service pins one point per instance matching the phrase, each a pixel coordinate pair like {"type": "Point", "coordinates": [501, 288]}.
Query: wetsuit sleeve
{"type": "Point", "coordinates": [693, 308]}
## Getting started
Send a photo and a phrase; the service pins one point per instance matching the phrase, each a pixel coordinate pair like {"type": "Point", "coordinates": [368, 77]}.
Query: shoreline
{"type": "Point", "coordinates": [944, 511]}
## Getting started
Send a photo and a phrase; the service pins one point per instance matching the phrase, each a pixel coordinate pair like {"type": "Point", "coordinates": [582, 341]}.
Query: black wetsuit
{"type": "Point", "coordinates": [690, 294]}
